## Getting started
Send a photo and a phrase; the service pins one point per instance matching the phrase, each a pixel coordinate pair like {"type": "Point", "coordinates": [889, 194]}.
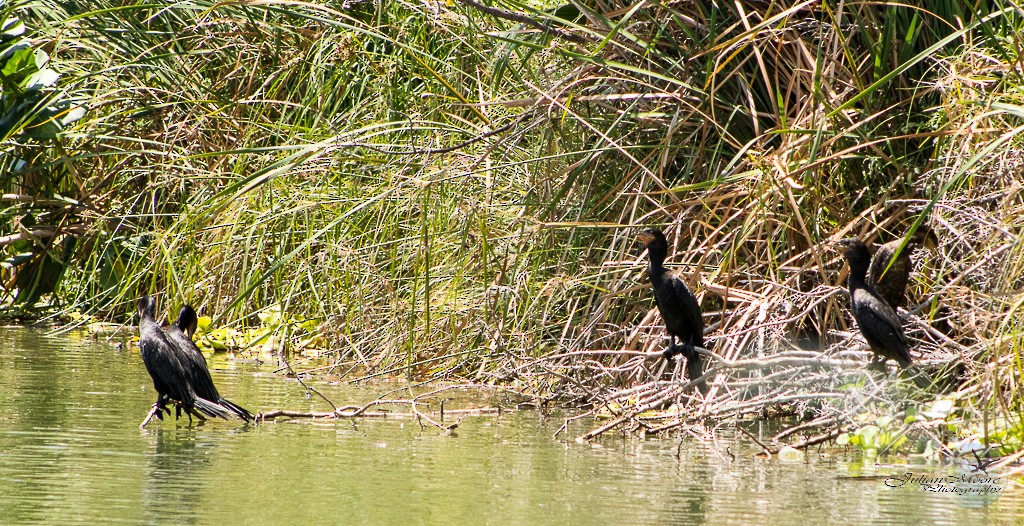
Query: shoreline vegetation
{"type": "Point", "coordinates": [449, 191]}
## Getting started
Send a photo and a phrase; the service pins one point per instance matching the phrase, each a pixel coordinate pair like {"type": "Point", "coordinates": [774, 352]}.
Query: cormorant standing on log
{"type": "Point", "coordinates": [891, 283]}
{"type": "Point", "coordinates": [165, 363]}
{"type": "Point", "coordinates": [876, 319]}
{"type": "Point", "coordinates": [180, 334]}
{"type": "Point", "coordinates": [677, 305]}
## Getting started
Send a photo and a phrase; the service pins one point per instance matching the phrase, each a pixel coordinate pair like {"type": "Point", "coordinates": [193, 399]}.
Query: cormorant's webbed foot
{"type": "Point", "coordinates": [878, 364]}
{"type": "Point", "coordinates": [672, 351]}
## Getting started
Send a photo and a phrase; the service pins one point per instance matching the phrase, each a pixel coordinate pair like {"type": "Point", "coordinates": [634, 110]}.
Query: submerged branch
{"type": "Point", "coordinates": [363, 411]}
{"type": "Point", "coordinates": [343, 413]}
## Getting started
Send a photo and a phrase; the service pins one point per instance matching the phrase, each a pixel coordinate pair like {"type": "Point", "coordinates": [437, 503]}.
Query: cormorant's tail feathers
{"type": "Point", "coordinates": [695, 369]}
{"type": "Point", "coordinates": [212, 409]}
{"type": "Point", "coordinates": [238, 410]}
{"type": "Point", "coordinates": [915, 373]}
{"type": "Point", "coordinates": [694, 363]}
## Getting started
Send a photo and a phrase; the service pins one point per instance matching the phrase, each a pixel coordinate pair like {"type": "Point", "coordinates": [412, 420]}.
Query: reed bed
{"type": "Point", "coordinates": [449, 191]}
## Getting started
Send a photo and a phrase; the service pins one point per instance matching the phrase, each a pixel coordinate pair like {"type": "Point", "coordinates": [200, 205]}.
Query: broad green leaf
{"type": "Point", "coordinates": [43, 78]}
{"type": "Point", "coordinates": [19, 63]}
{"type": "Point", "coordinates": [13, 27]}
{"type": "Point", "coordinates": [72, 115]}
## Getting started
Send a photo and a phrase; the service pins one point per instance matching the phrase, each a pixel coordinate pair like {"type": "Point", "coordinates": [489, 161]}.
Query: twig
{"type": "Point", "coordinates": [672, 393]}
{"type": "Point", "coordinates": [523, 19]}
{"type": "Point", "coordinates": [817, 423]}
{"type": "Point", "coordinates": [284, 339]}
{"type": "Point", "coordinates": [152, 412]}
{"type": "Point", "coordinates": [765, 448]}
{"type": "Point", "coordinates": [818, 439]}
{"type": "Point", "coordinates": [565, 423]}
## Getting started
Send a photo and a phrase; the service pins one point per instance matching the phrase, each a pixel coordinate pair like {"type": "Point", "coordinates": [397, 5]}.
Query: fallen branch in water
{"type": "Point", "coordinates": [434, 418]}
{"type": "Point", "coordinates": [817, 439]}
{"type": "Point", "coordinates": [342, 413]}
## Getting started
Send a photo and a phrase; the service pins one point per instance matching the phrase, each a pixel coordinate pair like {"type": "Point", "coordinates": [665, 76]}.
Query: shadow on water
{"type": "Point", "coordinates": [71, 451]}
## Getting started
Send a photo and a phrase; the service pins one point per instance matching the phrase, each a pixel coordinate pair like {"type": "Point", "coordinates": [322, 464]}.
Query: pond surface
{"type": "Point", "coordinates": [71, 451]}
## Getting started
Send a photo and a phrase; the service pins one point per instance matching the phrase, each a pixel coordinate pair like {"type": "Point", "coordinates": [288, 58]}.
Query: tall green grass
{"type": "Point", "coordinates": [337, 160]}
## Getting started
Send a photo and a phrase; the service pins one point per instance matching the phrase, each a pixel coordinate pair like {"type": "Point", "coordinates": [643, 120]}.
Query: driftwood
{"type": "Point", "coordinates": [754, 368]}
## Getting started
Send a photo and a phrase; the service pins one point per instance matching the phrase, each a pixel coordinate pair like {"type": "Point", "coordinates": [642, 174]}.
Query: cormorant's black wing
{"type": "Point", "coordinates": [687, 313]}
{"type": "Point", "coordinates": [690, 308]}
{"type": "Point", "coordinates": [163, 365]}
{"type": "Point", "coordinates": [195, 361]}
{"type": "Point", "coordinates": [880, 323]}
{"type": "Point", "coordinates": [202, 382]}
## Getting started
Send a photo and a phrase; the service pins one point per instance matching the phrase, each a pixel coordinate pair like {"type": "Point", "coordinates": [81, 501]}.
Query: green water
{"type": "Point", "coordinates": [71, 451]}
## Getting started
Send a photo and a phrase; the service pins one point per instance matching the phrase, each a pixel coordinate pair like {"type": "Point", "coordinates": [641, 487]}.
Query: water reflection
{"type": "Point", "coordinates": [71, 450]}
{"type": "Point", "coordinates": [175, 481]}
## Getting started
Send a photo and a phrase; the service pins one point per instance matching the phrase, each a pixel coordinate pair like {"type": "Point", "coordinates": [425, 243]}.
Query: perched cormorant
{"type": "Point", "coordinates": [876, 319]}
{"type": "Point", "coordinates": [677, 305]}
{"type": "Point", "coordinates": [172, 379]}
{"type": "Point", "coordinates": [891, 284]}
{"type": "Point", "coordinates": [180, 334]}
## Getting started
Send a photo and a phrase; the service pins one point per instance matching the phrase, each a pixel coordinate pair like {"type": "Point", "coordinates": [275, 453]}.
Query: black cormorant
{"type": "Point", "coordinates": [180, 334]}
{"type": "Point", "coordinates": [891, 283]}
{"type": "Point", "coordinates": [876, 319]}
{"type": "Point", "coordinates": [677, 305]}
{"type": "Point", "coordinates": [172, 379]}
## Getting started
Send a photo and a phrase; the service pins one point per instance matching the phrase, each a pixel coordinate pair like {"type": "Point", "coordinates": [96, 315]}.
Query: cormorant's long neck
{"type": "Point", "coordinates": [656, 255]}
{"type": "Point", "coordinates": [858, 273]}
{"type": "Point", "coordinates": [147, 317]}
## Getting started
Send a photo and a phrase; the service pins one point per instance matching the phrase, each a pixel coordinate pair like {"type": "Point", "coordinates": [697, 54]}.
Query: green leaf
{"type": "Point", "coordinates": [940, 409]}
{"type": "Point", "coordinates": [1012, 109]}
{"type": "Point", "coordinates": [47, 129]}
{"type": "Point", "coordinates": [13, 27]}
{"type": "Point", "coordinates": [789, 453]}
{"type": "Point", "coordinates": [43, 78]}
{"type": "Point", "coordinates": [72, 115]}
{"type": "Point", "coordinates": [869, 434]}
{"type": "Point", "coordinates": [20, 62]}
{"type": "Point", "coordinates": [41, 58]}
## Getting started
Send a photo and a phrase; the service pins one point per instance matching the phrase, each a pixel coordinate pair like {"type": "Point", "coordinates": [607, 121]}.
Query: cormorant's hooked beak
{"type": "Point", "coordinates": [841, 244]}
{"type": "Point", "coordinates": [645, 237]}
